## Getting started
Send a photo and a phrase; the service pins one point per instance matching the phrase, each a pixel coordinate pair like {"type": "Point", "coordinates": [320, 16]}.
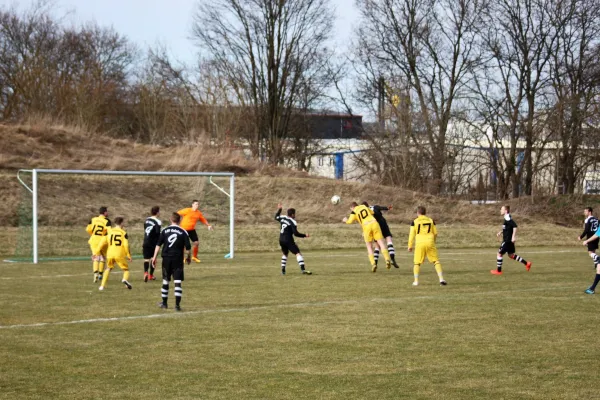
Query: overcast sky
{"type": "Point", "coordinates": [148, 22]}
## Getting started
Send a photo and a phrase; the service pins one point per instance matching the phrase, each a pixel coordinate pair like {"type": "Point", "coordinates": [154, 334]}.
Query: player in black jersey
{"type": "Point", "coordinates": [385, 230]}
{"type": "Point", "coordinates": [509, 237]}
{"type": "Point", "coordinates": [151, 234]}
{"type": "Point", "coordinates": [175, 242]}
{"type": "Point", "coordinates": [590, 226]}
{"type": "Point", "coordinates": [286, 238]}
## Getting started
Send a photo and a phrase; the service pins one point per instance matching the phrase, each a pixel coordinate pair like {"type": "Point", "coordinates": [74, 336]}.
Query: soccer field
{"type": "Point", "coordinates": [247, 332]}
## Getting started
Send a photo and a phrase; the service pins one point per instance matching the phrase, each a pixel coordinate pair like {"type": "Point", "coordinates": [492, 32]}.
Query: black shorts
{"type": "Point", "coordinates": [193, 235]}
{"type": "Point", "coordinates": [148, 251]}
{"type": "Point", "coordinates": [593, 245]}
{"type": "Point", "coordinates": [172, 267]}
{"type": "Point", "coordinates": [385, 229]}
{"type": "Point", "coordinates": [507, 247]}
{"type": "Point", "coordinates": [287, 247]}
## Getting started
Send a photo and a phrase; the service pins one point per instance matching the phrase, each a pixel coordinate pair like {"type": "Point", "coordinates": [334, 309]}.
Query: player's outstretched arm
{"type": "Point", "coordinates": [278, 213]}
{"type": "Point", "coordinates": [126, 246]}
{"type": "Point", "coordinates": [296, 233]}
{"type": "Point", "coordinates": [587, 229]}
{"type": "Point", "coordinates": [156, 250]}
{"type": "Point", "coordinates": [187, 257]}
{"type": "Point", "coordinates": [411, 237]}
{"type": "Point", "coordinates": [351, 219]}
{"type": "Point", "coordinates": [187, 252]}
{"type": "Point", "coordinates": [591, 239]}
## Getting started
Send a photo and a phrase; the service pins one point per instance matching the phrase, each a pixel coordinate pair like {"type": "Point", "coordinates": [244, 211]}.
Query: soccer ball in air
{"type": "Point", "coordinates": [335, 200]}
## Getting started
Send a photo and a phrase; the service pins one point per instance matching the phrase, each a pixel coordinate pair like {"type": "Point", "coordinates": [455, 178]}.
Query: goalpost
{"type": "Point", "coordinates": [34, 190]}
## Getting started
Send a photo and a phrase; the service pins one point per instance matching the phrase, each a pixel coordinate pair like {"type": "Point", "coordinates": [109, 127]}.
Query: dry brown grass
{"type": "Point", "coordinates": [43, 143]}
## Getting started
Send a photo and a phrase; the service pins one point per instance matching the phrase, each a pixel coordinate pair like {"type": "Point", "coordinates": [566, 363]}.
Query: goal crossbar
{"type": "Point", "coordinates": [34, 191]}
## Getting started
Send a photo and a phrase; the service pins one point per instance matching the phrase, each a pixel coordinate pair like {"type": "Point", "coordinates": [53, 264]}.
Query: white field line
{"type": "Point", "coordinates": [443, 257]}
{"type": "Point", "coordinates": [407, 255]}
{"type": "Point", "coordinates": [277, 306]}
{"type": "Point", "coordinates": [400, 251]}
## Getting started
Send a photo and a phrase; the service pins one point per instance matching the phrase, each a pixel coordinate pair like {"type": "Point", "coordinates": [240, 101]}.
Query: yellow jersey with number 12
{"type": "Point", "coordinates": [97, 228]}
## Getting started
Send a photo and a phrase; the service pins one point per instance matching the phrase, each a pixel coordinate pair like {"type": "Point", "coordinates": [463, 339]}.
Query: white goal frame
{"type": "Point", "coordinates": [34, 192]}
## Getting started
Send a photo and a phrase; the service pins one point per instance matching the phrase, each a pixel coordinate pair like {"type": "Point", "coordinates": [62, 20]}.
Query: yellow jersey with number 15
{"type": "Point", "coordinates": [118, 244]}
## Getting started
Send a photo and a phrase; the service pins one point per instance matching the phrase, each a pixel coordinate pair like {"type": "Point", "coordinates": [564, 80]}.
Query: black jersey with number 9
{"type": "Point", "coordinates": [174, 240]}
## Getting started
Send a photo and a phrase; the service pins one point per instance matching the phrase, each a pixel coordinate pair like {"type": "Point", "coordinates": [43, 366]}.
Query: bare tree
{"type": "Point", "coordinates": [267, 49]}
{"type": "Point", "coordinates": [576, 87]}
{"type": "Point", "coordinates": [79, 75]}
{"type": "Point", "coordinates": [29, 48]}
{"type": "Point", "coordinates": [519, 39]}
{"type": "Point", "coordinates": [430, 45]}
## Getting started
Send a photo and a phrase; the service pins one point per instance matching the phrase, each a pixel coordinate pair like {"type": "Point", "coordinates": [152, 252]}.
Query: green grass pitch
{"type": "Point", "coordinates": [247, 332]}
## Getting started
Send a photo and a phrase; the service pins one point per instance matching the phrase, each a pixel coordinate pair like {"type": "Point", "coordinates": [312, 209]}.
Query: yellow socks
{"type": "Point", "coordinates": [126, 275]}
{"type": "Point", "coordinates": [438, 269]}
{"type": "Point", "coordinates": [105, 277]}
{"type": "Point", "coordinates": [416, 270]}
{"type": "Point", "coordinates": [386, 254]}
{"type": "Point", "coordinates": [372, 259]}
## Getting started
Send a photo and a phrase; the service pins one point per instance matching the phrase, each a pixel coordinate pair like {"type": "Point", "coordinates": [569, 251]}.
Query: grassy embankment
{"type": "Point", "coordinates": [67, 203]}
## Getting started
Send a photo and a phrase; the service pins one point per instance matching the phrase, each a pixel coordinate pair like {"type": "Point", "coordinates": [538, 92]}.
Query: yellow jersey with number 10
{"type": "Point", "coordinates": [361, 214]}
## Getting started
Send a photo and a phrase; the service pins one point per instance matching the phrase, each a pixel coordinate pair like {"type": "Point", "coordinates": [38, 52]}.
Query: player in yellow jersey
{"type": "Point", "coordinates": [98, 228]}
{"type": "Point", "coordinates": [117, 252]}
{"type": "Point", "coordinates": [424, 233]}
{"type": "Point", "coordinates": [371, 232]}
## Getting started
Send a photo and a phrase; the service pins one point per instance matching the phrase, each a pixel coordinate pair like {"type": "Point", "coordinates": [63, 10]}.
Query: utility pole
{"type": "Point", "coordinates": [381, 102]}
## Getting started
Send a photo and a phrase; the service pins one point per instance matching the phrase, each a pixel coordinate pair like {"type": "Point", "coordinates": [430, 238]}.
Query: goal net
{"type": "Point", "coordinates": [56, 206]}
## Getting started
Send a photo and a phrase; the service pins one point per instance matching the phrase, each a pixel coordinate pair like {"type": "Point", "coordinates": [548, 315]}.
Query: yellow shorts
{"type": "Point", "coordinates": [426, 249]}
{"type": "Point", "coordinates": [372, 232]}
{"type": "Point", "coordinates": [120, 261]}
{"type": "Point", "coordinates": [96, 250]}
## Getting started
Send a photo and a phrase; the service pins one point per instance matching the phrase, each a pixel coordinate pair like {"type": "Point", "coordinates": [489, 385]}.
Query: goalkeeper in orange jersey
{"type": "Point", "coordinates": [98, 229]}
{"type": "Point", "coordinates": [371, 232]}
{"type": "Point", "coordinates": [117, 252]}
{"type": "Point", "coordinates": [424, 233]}
{"type": "Point", "coordinates": [191, 216]}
